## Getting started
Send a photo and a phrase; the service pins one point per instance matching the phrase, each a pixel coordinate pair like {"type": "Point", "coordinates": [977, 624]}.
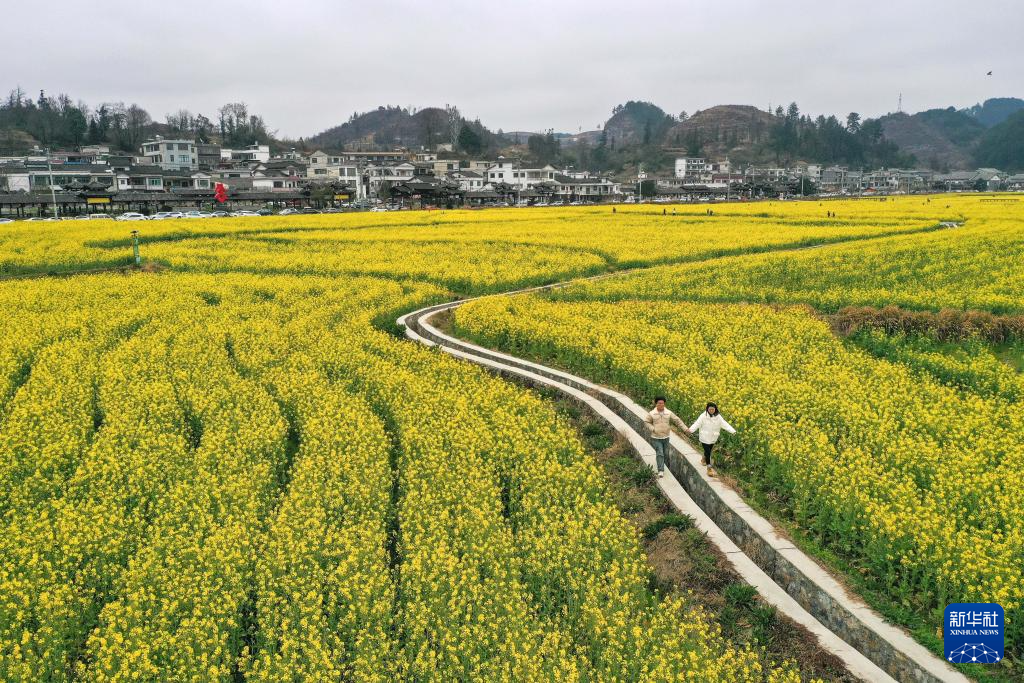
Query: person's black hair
{"type": "Point", "coordinates": [712, 405]}
{"type": "Point", "coordinates": [659, 398]}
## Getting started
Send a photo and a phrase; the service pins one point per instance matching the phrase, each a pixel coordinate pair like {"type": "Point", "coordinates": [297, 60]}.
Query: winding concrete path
{"type": "Point", "coordinates": [872, 649]}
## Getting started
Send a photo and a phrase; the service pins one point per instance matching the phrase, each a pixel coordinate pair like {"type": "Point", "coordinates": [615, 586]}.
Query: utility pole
{"type": "Point", "coordinates": [53, 192]}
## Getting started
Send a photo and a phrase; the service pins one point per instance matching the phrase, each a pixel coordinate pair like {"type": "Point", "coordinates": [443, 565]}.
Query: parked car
{"type": "Point", "coordinates": [308, 209]}
{"type": "Point", "coordinates": [331, 209]}
{"type": "Point", "coordinates": [6, 220]}
{"type": "Point", "coordinates": [243, 214]}
{"type": "Point", "coordinates": [265, 212]}
{"type": "Point", "coordinates": [287, 212]}
{"type": "Point", "coordinates": [220, 214]}
{"type": "Point", "coordinates": [130, 216]}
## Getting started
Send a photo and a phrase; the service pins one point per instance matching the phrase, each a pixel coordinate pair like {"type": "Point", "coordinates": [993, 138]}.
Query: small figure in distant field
{"type": "Point", "coordinates": [613, 209]}
{"type": "Point", "coordinates": [673, 211]}
{"type": "Point", "coordinates": [710, 425]}
{"type": "Point", "coordinates": [664, 211]}
{"type": "Point", "coordinates": [660, 421]}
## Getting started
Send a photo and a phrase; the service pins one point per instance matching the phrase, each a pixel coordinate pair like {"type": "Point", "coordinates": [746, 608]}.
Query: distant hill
{"type": "Point", "coordinates": [637, 123]}
{"type": "Point", "coordinates": [950, 138]}
{"type": "Point", "coordinates": [938, 138]}
{"type": "Point", "coordinates": [1002, 145]}
{"type": "Point", "coordinates": [725, 130]}
{"type": "Point", "coordinates": [996, 110]}
{"type": "Point", "coordinates": [640, 132]}
{"type": "Point", "coordinates": [387, 126]}
{"type": "Point", "coordinates": [958, 127]}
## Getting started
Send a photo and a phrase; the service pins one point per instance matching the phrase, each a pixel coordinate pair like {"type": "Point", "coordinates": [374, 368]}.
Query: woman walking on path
{"type": "Point", "coordinates": [710, 425]}
{"type": "Point", "coordinates": [660, 421]}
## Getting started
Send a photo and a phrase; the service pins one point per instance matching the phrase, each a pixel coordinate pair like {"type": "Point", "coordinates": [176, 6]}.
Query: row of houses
{"type": "Point", "coordinates": [173, 165]}
{"type": "Point", "coordinates": [698, 171]}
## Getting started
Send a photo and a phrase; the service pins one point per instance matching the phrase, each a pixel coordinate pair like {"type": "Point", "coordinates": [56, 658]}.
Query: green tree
{"type": "Point", "coordinates": [469, 140]}
{"type": "Point", "coordinates": [76, 127]}
{"type": "Point", "coordinates": [648, 188]}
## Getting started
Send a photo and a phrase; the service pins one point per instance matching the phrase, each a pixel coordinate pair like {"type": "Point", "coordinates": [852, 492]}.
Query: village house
{"type": "Point", "coordinates": [171, 155]}
{"type": "Point", "coordinates": [330, 167]}
{"type": "Point", "coordinates": [585, 189]}
{"type": "Point", "coordinates": [510, 172]}
{"type": "Point", "coordinates": [254, 152]}
{"type": "Point", "coordinates": [374, 175]}
{"type": "Point", "coordinates": [469, 181]}
{"type": "Point", "coordinates": [687, 167]}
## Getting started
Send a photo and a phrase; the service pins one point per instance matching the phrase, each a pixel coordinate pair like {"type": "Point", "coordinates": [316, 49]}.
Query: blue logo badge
{"type": "Point", "coordinates": [973, 633]}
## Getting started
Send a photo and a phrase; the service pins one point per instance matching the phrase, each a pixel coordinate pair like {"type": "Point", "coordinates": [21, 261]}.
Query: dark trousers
{"type": "Point", "coordinates": [707, 450]}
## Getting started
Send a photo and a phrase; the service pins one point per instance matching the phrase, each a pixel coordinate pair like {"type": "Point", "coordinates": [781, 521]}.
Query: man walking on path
{"type": "Point", "coordinates": [710, 425]}
{"type": "Point", "coordinates": [660, 421]}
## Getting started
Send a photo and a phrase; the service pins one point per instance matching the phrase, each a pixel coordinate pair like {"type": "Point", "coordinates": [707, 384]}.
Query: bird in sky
{"type": "Point", "coordinates": [989, 73]}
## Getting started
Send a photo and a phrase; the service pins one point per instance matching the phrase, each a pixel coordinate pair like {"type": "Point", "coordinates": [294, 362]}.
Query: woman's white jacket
{"type": "Point", "coordinates": [711, 427]}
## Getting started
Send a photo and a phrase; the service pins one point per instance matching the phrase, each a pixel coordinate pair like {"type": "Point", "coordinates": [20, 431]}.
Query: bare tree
{"type": "Point", "coordinates": [181, 121]}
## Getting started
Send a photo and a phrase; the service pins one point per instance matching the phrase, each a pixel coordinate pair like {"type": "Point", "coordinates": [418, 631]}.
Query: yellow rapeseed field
{"type": "Point", "coordinates": [228, 467]}
{"type": "Point", "coordinates": [904, 459]}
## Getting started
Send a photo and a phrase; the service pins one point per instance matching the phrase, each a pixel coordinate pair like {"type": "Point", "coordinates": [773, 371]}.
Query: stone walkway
{"type": "Point", "coordinates": [871, 648]}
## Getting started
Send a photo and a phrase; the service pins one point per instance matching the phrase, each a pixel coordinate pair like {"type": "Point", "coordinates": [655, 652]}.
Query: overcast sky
{"type": "Point", "coordinates": [306, 65]}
